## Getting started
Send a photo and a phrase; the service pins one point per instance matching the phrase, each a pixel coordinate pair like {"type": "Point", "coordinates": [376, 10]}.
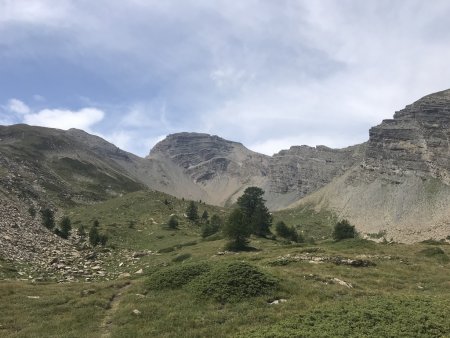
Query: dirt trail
{"type": "Point", "coordinates": [113, 306]}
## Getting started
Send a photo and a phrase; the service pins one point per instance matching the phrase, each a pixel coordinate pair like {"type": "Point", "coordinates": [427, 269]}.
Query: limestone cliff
{"type": "Point", "coordinates": [401, 188]}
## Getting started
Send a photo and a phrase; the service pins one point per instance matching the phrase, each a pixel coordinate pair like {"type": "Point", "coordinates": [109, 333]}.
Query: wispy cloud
{"type": "Point", "coordinates": [17, 106]}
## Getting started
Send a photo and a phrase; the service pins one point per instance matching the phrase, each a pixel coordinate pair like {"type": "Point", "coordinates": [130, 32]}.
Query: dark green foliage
{"type": "Point", "coordinates": [102, 239]}
{"type": "Point", "coordinates": [32, 211]}
{"type": "Point", "coordinates": [373, 317]}
{"type": "Point", "coordinates": [205, 216]}
{"type": "Point", "coordinates": [173, 222]}
{"type": "Point", "coordinates": [48, 218]}
{"type": "Point", "coordinates": [237, 230]}
{"type": "Point", "coordinates": [233, 282]}
{"type": "Point", "coordinates": [94, 237]}
{"type": "Point", "coordinates": [192, 212]}
{"type": "Point", "coordinates": [343, 230]}
{"type": "Point", "coordinates": [82, 233]}
{"type": "Point", "coordinates": [437, 253]}
{"type": "Point", "coordinates": [288, 232]}
{"type": "Point", "coordinates": [174, 277]}
{"type": "Point", "coordinates": [211, 227]}
{"type": "Point", "coordinates": [166, 250]}
{"type": "Point", "coordinates": [181, 257]}
{"type": "Point", "coordinates": [255, 212]}
{"type": "Point", "coordinates": [66, 227]}
{"type": "Point", "coordinates": [96, 223]}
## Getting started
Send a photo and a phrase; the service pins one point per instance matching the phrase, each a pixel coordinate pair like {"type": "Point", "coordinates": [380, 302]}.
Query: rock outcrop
{"type": "Point", "coordinates": [401, 188]}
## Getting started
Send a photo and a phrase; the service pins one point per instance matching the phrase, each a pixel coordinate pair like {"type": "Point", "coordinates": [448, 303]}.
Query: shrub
{"type": "Point", "coordinates": [102, 239]}
{"type": "Point", "coordinates": [32, 211]}
{"type": "Point", "coordinates": [437, 253]}
{"type": "Point", "coordinates": [288, 232]}
{"type": "Point", "coordinates": [173, 222]}
{"type": "Point", "coordinates": [211, 227]}
{"type": "Point", "coordinates": [94, 237]}
{"type": "Point", "coordinates": [181, 257]}
{"type": "Point", "coordinates": [343, 230]}
{"type": "Point", "coordinates": [174, 277]}
{"type": "Point", "coordinates": [167, 250]}
{"type": "Point", "coordinates": [48, 218]}
{"type": "Point", "coordinates": [66, 227]}
{"type": "Point", "coordinates": [233, 282]}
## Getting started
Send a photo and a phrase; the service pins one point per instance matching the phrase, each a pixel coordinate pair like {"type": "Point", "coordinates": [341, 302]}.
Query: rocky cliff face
{"type": "Point", "coordinates": [220, 169]}
{"type": "Point", "coordinates": [415, 141]}
{"type": "Point", "coordinates": [223, 169]}
{"type": "Point", "coordinates": [401, 188]}
{"type": "Point", "coordinates": [302, 169]}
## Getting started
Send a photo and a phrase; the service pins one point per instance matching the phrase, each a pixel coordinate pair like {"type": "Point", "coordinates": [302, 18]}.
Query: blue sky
{"type": "Point", "coordinates": [269, 74]}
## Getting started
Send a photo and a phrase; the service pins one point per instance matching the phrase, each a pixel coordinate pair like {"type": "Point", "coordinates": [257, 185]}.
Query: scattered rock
{"type": "Point", "coordinates": [278, 301]}
{"type": "Point", "coordinates": [139, 272]}
{"type": "Point", "coordinates": [136, 312]}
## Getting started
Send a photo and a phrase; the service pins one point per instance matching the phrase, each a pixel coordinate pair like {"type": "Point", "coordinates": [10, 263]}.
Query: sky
{"type": "Point", "coordinates": [269, 74]}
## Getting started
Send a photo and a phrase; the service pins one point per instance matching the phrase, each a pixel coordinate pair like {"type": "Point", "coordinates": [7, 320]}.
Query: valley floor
{"type": "Point", "coordinates": [352, 288]}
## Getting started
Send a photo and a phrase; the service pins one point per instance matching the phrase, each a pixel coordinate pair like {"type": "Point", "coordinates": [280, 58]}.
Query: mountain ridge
{"type": "Point", "coordinates": [378, 185]}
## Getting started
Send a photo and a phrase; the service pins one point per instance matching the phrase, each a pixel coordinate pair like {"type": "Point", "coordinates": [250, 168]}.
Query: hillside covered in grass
{"type": "Point", "coordinates": [174, 283]}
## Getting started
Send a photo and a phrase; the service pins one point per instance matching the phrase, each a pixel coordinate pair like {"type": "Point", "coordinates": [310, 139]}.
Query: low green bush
{"type": "Point", "coordinates": [436, 253]}
{"type": "Point", "coordinates": [370, 317]}
{"type": "Point", "coordinates": [174, 277]}
{"type": "Point", "coordinates": [181, 257]}
{"type": "Point", "coordinates": [233, 282]}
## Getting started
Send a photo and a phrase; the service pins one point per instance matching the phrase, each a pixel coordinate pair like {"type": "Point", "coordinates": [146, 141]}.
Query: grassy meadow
{"type": "Point", "coordinates": [303, 292]}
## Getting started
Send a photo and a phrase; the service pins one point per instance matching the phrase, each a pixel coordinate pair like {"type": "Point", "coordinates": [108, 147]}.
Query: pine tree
{"type": "Point", "coordinates": [205, 216]}
{"type": "Point", "coordinates": [192, 212]}
{"type": "Point", "coordinates": [66, 227]}
{"type": "Point", "coordinates": [94, 237]}
{"type": "Point", "coordinates": [48, 218]}
{"type": "Point", "coordinates": [237, 230]}
{"type": "Point", "coordinates": [255, 211]}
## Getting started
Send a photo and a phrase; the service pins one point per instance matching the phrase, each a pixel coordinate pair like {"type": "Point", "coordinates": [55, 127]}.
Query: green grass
{"type": "Point", "coordinates": [138, 220]}
{"type": "Point", "coordinates": [54, 310]}
{"type": "Point", "coordinates": [406, 293]}
{"type": "Point", "coordinates": [311, 224]}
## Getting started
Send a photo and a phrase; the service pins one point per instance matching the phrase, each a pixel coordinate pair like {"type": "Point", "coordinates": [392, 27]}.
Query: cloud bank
{"type": "Point", "coordinates": [269, 74]}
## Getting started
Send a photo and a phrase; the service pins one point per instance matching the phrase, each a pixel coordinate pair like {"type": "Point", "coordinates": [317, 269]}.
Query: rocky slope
{"type": "Point", "coordinates": [401, 188]}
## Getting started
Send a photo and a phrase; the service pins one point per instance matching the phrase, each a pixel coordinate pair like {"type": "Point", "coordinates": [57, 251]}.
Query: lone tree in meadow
{"type": "Point", "coordinates": [343, 230]}
{"type": "Point", "coordinates": [237, 230]}
{"type": "Point", "coordinates": [192, 212]}
{"type": "Point", "coordinates": [255, 212]}
{"type": "Point", "coordinates": [173, 222]}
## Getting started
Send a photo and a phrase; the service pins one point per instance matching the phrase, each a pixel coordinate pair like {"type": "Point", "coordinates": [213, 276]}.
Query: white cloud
{"type": "Point", "coordinates": [33, 11]}
{"type": "Point", "coordinates": [267, 73]}
{"type": "Point", "coordinates": [17, 106]}
{"type": "Point", "coordinates": [65, 119]}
